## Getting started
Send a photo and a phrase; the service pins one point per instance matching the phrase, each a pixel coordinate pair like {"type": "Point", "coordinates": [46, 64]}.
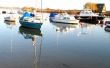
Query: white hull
{"type": "Point", "coordinates": [108, 24]}
{"type": "Point", "coordinates": [66, 21]}
{"type": "Point", "coordinates": [9, 19]}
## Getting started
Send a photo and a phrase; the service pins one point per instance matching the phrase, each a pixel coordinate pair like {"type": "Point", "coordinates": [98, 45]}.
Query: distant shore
{"type": "Point", "coordinates": [49, 10]}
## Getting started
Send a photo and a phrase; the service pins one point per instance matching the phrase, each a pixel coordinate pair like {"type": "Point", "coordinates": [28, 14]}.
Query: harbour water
{"type": "Point", "coordinates": [55, 45]}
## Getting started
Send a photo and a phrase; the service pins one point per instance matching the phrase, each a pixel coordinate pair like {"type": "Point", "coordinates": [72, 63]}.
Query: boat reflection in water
{"type": "Point", "coordinates": [33, 34]}
{"type": "Point", "coordinates": [65, 27]}
{"type": "Point", "coordinates": [10, 24]}
{"type": "Point", "coordinates": [29, 33]}
{"type": "Point", "coordinates": [86, 28]}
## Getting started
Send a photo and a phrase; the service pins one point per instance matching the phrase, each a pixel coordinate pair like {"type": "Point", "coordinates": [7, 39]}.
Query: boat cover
{"type": "Point", "coordinates": [52, 14]}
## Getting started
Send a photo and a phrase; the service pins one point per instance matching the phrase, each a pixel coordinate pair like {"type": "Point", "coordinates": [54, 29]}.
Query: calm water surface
{"type": "Point", "coordinates": [54, 46]}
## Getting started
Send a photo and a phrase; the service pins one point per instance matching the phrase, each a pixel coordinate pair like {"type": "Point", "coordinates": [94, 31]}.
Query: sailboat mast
{"type": "Point", "coordinates": [41, 11]}
{"type": "Point", "coordinates": [41, 5]}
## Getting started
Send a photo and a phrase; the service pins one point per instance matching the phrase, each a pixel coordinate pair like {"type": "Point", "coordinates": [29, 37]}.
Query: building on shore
{"type": "Point", "coordinates": [95, 7]}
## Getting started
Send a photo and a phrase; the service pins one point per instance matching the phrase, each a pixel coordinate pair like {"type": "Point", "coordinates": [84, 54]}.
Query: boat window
{"type": "Point", "coordinates": [82, 11]}
{"type": "Point", "coordinates": [108, 22]}
{"type": "Point", "coordinates": [66, 18]}
{"type": "Point", "coordinates": [87, 12]}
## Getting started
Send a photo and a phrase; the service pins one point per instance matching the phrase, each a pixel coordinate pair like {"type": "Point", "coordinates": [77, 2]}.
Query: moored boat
{"type": "Point", "coordinates": [88, 15]}
{"type": "Point", "coordinates": [63, 18]}
{"type": "Point", "coordinates": [10, 19]}
{"type": "Point", "coordinates": [28, 20]}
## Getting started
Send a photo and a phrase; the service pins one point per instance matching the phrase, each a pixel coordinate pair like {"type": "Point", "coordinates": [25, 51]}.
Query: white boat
{"type": "Point", "coordinates": [10, 18]}
{"type": "Point", "coordinates": [64, 18]}
{"type": "Point", "coordinates": [87, 14]}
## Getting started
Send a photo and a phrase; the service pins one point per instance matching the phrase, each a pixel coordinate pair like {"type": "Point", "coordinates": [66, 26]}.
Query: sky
{"type": "Point", "coordinates": [55, 4]}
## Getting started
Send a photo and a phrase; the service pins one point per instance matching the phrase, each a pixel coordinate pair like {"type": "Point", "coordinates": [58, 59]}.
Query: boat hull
{"type": "Point", "coordinates": [67, 22]}
{"type": "Point", "coordinates": [89, 18]}
{"type": "Point", "coordinates": [107, 23]}
{"type": "Point", "coordinates": [107, 29]}
{"type": "Point", "coordinates": [64, 21]}
{"type": "Point", "coordinates": [10, 20]}
{"type": "Point", "coordinates": [31, 24]}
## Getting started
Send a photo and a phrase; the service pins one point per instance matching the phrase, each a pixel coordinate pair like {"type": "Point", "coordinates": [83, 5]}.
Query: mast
{"type": "Point", "coordinates": [41, 11]}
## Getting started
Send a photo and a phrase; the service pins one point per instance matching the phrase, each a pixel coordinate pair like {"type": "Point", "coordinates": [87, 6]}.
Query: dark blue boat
{"type": "Point", "coordinates": [23, 23]}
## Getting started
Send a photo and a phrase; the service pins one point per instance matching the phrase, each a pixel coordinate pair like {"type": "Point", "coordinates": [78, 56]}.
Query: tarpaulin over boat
{"type": "Point", "coordinates": [26, 14]}
{"type": "Point", "coordinates": [52, 14]}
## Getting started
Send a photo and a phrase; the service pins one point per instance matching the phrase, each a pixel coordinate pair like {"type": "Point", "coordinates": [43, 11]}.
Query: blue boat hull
{"type": "Point", "coordinates": [31, 25]}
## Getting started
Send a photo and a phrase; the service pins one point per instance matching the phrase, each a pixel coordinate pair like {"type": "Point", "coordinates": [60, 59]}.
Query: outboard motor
{"type": "Point", "coordinates": [31, 14]}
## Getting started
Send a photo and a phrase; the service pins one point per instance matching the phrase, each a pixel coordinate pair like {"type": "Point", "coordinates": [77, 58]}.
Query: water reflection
{"type": "Point", "coordinates": [33, 34]}
{"type": "Point", "coordinates": [86, 28]}
{"type": "Point", "coordinates": [10, 24]}
{"type": "Point", "coordinates": [92, 22]}
{"type": "Point", "coordinates": [60, 48]}
{"type": "Point", "coordinates": [29, 33]}
{"type": "Point", "coordinates": [65, 27]}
